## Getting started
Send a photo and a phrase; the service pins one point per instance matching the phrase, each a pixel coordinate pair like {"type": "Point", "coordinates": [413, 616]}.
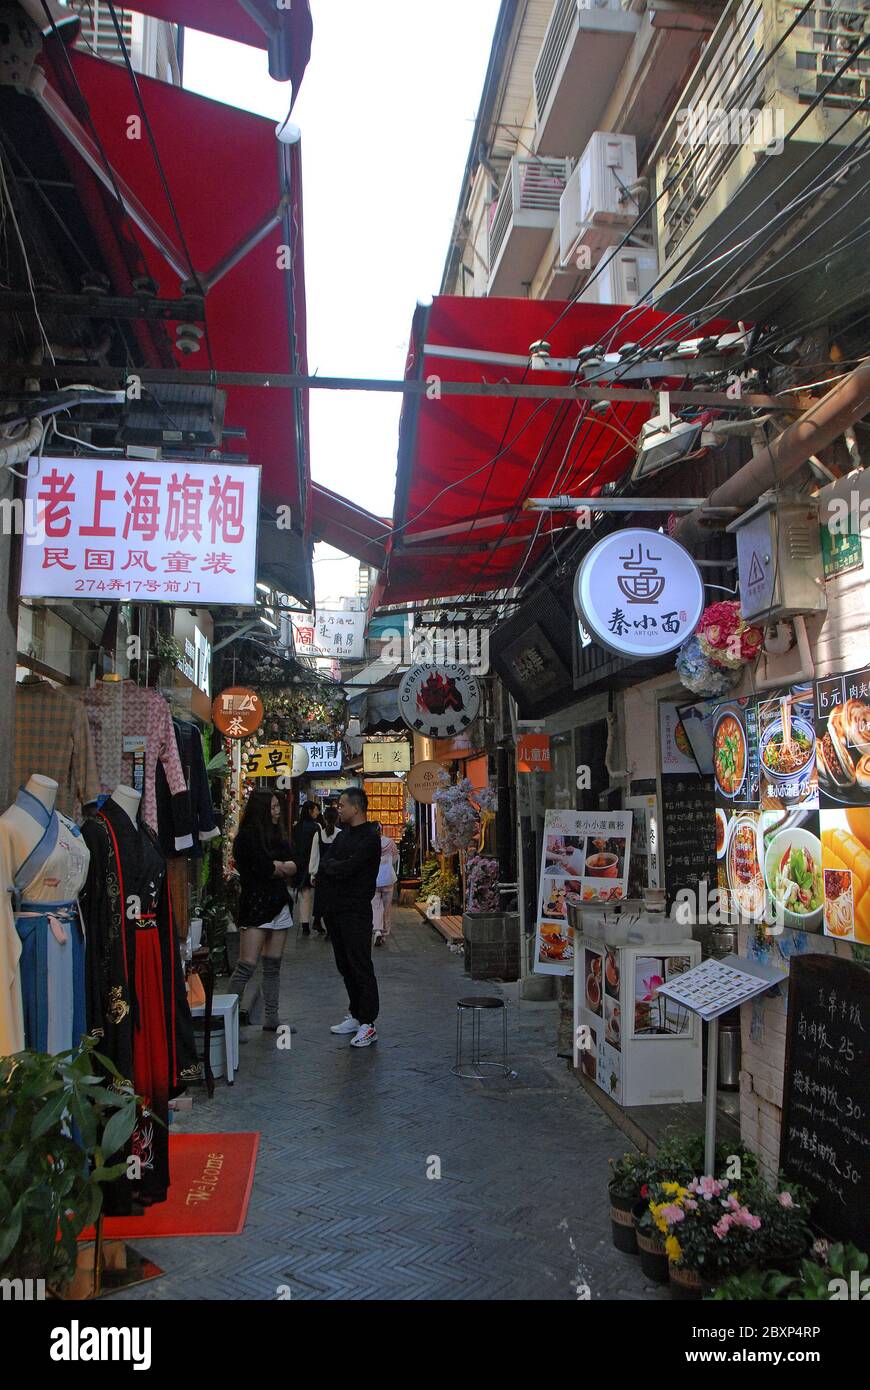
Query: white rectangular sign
{"type": "Point", "coordinates": [323, 757]}
{"type": "Point", "coordinates": [331, 632]}
{"type": "Point", "coordinates": [180, 532]}
{"type": "Point", "coordinates": [584, 859]}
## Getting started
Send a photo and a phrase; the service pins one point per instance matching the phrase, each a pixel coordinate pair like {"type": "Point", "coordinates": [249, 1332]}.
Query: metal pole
{"type": "Point", "coordinates": [613, 504]}
{"type": "Point", "coordinates": [712, 1089]}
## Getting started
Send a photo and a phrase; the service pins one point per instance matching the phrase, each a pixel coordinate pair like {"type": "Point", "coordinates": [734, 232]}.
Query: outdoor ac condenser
{"type": "Point", "coordinates": [622, 276]}
{"type": "Point", "coordinates": [595, 206]}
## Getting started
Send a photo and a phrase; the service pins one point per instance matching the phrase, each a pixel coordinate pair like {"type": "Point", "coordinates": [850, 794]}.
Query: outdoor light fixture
{"type": "Point", "coordinates": [288, 133]}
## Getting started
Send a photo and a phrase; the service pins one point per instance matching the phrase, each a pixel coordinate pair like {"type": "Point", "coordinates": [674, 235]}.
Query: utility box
{"type": "Point", "coordinates": [597, 205]}
{"type": "Point", "coordinates": [622, 276]}
{"type": "Point", "coordinates": [779, 559]}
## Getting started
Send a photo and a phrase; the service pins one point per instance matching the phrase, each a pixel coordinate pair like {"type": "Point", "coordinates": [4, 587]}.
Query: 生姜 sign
{"type": "Point", "coordinates": [179, 532]}
{"type": "Point", "coordinates": [639, 593]}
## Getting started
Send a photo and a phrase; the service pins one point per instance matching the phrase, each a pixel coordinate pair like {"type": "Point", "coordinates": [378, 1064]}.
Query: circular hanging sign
{"type": "Point", "coordinates": [639, 593]}
{"type": "Point", "coordinates": [424, 780]}
{"type": "Point", "coordinates": [237, 712]}
{"type": "Point", "coordinates": [439, 701]}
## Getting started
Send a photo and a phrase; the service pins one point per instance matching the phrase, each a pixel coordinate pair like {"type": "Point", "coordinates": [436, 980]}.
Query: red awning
{"type": "Point", "coordinates": [467, 463]}
{"type": "Point", "coordinates": [284, 30]}
{"type": "Point", "coordinates": [348, 527]}
{"type": "Point", "coordinates": [236, 190]}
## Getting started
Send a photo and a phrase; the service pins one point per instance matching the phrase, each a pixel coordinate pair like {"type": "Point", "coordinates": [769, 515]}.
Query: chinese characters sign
{"type": "Point", "coordinates": [439, 701]}
{"type": "Point", "coordinates": [533, 753]}
{"type": "Point", "coordinates": [323, 757]}
{"type": "Point", "coordinates": [157, 532]}
{"type": "Point", "coordinates": [238, 712]}
{"type": "Point", "coordinates": [336, 633]}
{"type": "Point", "coordinates": [585, 860]}
{"type": "Point", "coordinates": [386, 757]}
{"type": "Point", "coordinates": [276, 760]}
{"type": "Point", "coordinates": [639, 593]}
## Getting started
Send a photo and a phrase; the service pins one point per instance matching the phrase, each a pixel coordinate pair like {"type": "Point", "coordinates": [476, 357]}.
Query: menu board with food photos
{"type": "Point", "coordinates": [688, 833]}
{"type": "Point", "coordinates": [585, 859]}
{"type": "Point", "coordinates": [825, 1137]}
{"type": "Point", "coordinates": [387, 805]}
{"type": "Point", "coordinates": [842, 730]}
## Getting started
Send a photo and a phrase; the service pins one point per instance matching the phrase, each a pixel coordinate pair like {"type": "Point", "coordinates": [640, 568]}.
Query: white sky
{"type": "Point", "coordinates": [386, 111]}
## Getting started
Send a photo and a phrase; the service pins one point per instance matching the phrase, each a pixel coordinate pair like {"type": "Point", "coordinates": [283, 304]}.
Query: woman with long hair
{"type": "Point", "coordinates": [304, 835]}
{"type": "Point", "coordinates": [263, 858]}
{"type": "Point", "coordinates": [328, 831]}
{"type": "Point", "coordinates": [382, 902]}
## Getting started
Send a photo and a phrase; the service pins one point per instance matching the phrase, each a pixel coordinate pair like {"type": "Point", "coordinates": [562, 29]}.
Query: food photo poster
{"type": "Point", "coordinates": [585, 860]}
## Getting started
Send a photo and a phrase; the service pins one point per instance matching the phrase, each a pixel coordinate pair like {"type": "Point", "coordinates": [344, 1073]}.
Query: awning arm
{"type": "Point", "coordinates": [238, 253]}
{"type": "Point", "coordinates": [57, 110]}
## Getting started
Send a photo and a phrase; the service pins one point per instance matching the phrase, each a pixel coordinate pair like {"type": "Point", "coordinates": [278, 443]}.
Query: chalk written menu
{"type": "Point", "coordinates": [688, 832]}
{"type": "Point", "coordinates": [825, 1141]}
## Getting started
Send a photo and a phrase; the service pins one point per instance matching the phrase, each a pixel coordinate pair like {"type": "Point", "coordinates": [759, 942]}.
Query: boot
{"type": "Point", "coordinates": [239, 979]}
{"type": "Point", "coordinates": [306, 929]}
{"type": "Point", "coordinates": [271, 983]}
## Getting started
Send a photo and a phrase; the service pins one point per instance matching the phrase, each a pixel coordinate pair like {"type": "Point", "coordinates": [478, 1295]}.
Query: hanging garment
{"type": "Point", "coordinates": [136, 996]}
{"type": "Point", "coordinates": [44, 898]}
{"type": "Point", "coordinates": [203, 824]}
{"type": "Point", "coordinates": [52, 734]}
{"type": "Point", "coordinates": [120, 713]}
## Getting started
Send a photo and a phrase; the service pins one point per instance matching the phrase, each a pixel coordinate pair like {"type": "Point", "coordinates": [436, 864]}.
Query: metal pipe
{"type": "Point", "coordinates": [825, 421]}
{"type": "Point", "coordinates": [612, 504]}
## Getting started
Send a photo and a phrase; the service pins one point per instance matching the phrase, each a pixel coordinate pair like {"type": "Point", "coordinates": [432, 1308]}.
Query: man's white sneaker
{"type": "Point", "coordinates": [365, 1037]}
{"type": "Point", "coordinates": [347, 1025]}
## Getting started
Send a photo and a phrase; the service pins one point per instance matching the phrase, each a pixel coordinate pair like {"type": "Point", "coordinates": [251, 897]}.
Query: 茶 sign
{"type": "Point", "coordinates": [238, 712]}
{"type": "Point", "coordinates": [179, 532]}
{"type": "Point", "coordinates": [639, 593]}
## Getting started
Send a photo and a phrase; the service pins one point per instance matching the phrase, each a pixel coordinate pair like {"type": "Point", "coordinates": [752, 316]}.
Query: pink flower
{"type": "Point", "coordinates": [723, 1226]}
{"type": "Point", "coordinates": [672, 1214]}
{"type": "Point", "coordinates": [706, 1188]}
{"type": "Point", "coordinates": [690, 1204]}
{"type": "Point", "coordinates": [785, 1199]}
{"type": "Point", "coordinates": [651, 985]}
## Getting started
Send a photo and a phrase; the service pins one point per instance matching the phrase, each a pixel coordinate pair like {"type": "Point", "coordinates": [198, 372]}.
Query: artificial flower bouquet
{"type": "Point", "coordinates": [710, 661]}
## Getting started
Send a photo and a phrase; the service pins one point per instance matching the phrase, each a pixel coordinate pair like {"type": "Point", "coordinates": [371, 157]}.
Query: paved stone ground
{"type": "Point", "coordinates": [341, 1206]}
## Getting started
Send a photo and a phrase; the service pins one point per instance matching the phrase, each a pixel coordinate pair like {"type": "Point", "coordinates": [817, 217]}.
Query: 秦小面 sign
{"type": "Point", "coordinates": [639, 593]}
{"type": "Point", "coordinates": [181, 532]}
{"type": "Point", "coordinates": [439, 701]}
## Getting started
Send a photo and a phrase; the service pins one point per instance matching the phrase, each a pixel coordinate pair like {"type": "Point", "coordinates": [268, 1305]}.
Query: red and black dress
{"type": "Point", "coordinates": [136, 997]}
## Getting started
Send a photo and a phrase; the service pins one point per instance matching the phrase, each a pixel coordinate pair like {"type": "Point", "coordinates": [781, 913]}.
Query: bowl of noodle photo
{"type": "Point", "coordinates": [793, 875]}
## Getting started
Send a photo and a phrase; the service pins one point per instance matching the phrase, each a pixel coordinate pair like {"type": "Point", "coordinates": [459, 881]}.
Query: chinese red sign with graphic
{"type": "Point", "coordinates": [238, 712]}
{"type": "Point", "coordinates": [179, 532]}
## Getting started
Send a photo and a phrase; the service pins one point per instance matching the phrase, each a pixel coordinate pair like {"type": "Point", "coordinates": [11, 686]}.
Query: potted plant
{"type": "Point", "coordinates": [711, 1232]}
{"type": "Point", "coordinates": [629, 1179]}
{"type": "Point", "coordinates": [785, 1235]}
{"type": "Point", "coordinates": [658, 1200]}
{"type": "Point", "coordinates": [832, 1275]}
{"type": "Point", "coordinates": [51, 1184]}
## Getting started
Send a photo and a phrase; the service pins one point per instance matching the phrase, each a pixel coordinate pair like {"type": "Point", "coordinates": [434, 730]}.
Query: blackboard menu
{"type": "Point", "coordinates": [825, 1141]}
{"type": "Point", "coordinates": [688, 833]}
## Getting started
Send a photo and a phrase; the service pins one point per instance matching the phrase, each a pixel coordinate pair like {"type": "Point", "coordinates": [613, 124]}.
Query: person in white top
{"type": "Point", "coordinates": [382, 902]}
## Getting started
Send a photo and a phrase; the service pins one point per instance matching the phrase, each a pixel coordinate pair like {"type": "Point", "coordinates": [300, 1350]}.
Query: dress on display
{"type": "Point", "coordinates": [53, 735]}
{"type": "Point", "coordinates": [44, 899]}
{"type": "Point", "coordinates": [136, 995]}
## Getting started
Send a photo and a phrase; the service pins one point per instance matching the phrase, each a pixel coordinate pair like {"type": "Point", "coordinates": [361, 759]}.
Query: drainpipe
{"type": "Point", "coordinates": [825, 421]}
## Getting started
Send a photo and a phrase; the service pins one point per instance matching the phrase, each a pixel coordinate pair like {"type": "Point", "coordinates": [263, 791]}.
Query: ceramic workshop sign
{"type": "Point", "coordinates": [585, 859]}
{"type": "Point", "coordinates": [439, 701]}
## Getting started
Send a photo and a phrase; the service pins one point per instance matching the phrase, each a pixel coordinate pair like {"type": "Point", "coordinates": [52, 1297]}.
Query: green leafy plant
{"type": "Point", "coordinates": [817, 1282]}
{"type": "Point", "coordinates": [631, 1175]}
{"type": "Point", "coordinates": [60, 1124]}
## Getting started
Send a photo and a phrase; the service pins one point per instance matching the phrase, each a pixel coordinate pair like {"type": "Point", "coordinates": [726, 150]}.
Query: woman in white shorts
{"type": "Point", "coordinates": [261, 852]}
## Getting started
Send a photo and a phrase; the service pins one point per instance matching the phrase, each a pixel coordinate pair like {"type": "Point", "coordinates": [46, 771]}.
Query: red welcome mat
{"type": "Point", "coordinates": [212, 1176]}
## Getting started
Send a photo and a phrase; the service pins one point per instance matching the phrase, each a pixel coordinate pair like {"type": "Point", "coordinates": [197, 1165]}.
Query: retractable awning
{"type": "Point", "coordinates": [467, 463]}
{"type": "Point", "coordinates": [348, 527]}
{"type": "Point", "coordinates": [283, 29]}
{"type": "Point", "coordinates": [230, 242]}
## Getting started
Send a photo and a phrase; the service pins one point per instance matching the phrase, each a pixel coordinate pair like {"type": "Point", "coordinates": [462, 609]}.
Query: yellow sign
{"type": "Point", "coordinates": [276, 760]}
{"type": "Point", "coordinates": [387, 757]}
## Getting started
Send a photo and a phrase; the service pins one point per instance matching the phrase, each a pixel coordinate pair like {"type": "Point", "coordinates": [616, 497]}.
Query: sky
{"type": "Point", "coordinates": [386, 111]}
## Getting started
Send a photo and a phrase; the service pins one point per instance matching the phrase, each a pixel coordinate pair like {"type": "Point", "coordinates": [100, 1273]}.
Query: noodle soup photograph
{"type": "Point", "coordinates": [787, 749]}
{"type": "Point", "coordinates": [792, 848]}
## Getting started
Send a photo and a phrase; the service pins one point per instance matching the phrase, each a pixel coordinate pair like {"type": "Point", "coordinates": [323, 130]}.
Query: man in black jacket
{"type": "Point", "coordinates": [349, 878]}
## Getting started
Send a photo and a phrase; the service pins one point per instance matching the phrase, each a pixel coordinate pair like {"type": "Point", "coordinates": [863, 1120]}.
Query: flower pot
{"type": "Point", "coordinates": [622, 1222]}
{"type": "Point", "coordinates": [686, 1283]}
{"type": "Point", "coordinates": [651, 1248]}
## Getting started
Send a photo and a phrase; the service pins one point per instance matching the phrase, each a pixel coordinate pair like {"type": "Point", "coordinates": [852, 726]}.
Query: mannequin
{"type": "Point", "coordinates": [44, 864]}
{"type": "Point", "coordinates": [136, 997]}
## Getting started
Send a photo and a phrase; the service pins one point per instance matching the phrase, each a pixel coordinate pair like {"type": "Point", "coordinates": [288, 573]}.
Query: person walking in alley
{"type": "Point", "coordinates": [304, 835]}
{"type": "Point", "coordinates": [349, 877]}
{"type": "Point", "coordinates": [382, 902]}
{"type": "Point", "coordinates": [262, 856]}
{"type": "Point", "coordinates": [328, 829]}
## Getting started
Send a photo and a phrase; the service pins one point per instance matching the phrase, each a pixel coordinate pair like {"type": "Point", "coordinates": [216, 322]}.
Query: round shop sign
{"type": "Point", "coordinates": [639, 593]}
{"type": "Point", "coordinates": [439, 701]}
{"type": "Point", "coordinates": [424, 780]}
{"type": "Point", "coordinates": [238, 712]}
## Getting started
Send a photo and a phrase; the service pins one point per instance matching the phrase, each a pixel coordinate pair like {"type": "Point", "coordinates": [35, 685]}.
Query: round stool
{"type": "Point", "coordinates": [476, 1004]}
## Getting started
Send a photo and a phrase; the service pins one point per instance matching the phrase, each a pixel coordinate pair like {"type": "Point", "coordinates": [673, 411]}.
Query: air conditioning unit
{"type": "Point", "coordinates": [622, 276]}
{"type": "Point", "coordinates": [595, 203]}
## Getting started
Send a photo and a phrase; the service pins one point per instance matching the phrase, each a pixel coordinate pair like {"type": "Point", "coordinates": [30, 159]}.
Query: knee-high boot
{"type": "Point", "coordinates": [271, 982]}
{"type": "Point", "coordinates": [239, 979]}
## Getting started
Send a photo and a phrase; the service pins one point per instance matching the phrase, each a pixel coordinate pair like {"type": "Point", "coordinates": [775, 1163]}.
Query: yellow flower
{"type": "Point", "coordinates": [674, 1250]}
{"type": "Point", "coordinates": [673, 1189]}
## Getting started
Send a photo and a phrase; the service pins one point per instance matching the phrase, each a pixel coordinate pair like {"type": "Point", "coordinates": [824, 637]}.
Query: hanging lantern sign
{"type": "Point", "coordinates": [237, 712]}
{"type": "Point", "coordinates": [639, 593]}
{"type": "Point", "coordinates": [439, 701]}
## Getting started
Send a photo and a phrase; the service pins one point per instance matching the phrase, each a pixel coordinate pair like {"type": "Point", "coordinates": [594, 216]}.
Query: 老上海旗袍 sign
{"type": "Point", "coordinates": [183, 532]}
{"type": "Point", "coordinates": [238, 712]}
{"type": "Point", "coordinates": [439, 701]}
{"type": "Point", "coordinates": [639, 593]}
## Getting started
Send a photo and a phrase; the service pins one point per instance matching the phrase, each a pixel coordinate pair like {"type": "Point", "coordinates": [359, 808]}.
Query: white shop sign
{"type": "Point", "coordinates": [639, 593]}
{"type": "Point", "coordinates": [178, 532]}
